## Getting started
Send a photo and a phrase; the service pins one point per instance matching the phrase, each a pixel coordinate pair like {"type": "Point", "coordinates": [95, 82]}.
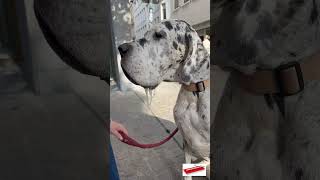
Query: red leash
{"type": "Point", "coordinates": [128, 140]}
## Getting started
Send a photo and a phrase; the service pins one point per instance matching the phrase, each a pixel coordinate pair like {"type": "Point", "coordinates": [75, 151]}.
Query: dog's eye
{"type": "Point", "coordinates": [160, 35]}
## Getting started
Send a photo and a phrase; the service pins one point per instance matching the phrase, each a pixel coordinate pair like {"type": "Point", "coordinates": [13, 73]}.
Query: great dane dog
{"type": "Point", "coordinates": [265, 136]}
{"type": "Point", "coordinates": [173, 51]}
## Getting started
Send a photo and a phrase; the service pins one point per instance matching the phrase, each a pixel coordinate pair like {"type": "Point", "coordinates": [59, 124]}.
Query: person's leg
{"type": "Point", "coordinates": [113, 166]}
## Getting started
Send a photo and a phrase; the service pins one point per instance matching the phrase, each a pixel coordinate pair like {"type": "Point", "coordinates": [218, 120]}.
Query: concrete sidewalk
{"type": "Point", "coordinates": [147, 125]}
{"type": "Point", "coordinates": [52, 136]}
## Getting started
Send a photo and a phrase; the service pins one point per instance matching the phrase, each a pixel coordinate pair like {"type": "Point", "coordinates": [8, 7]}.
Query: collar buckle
{"type": "Point", "coordinates": [279, 75]}
{"type": "Point", "coordinates": [200, 86]}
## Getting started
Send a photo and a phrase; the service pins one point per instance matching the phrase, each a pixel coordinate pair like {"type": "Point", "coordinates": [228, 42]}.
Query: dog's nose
{"type": "Point", "coordinates": [124, 49]}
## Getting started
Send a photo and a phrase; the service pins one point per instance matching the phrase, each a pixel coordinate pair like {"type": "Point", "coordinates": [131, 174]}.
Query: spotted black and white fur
{"type": "Point", "coordinates": [173, 51]}
{"type": "Point", "coordinates": [252, 140]}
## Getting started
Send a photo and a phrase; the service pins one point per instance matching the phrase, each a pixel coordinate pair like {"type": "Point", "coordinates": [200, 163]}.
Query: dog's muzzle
{"type": "Point", "coordinates": [128, 76]}
{"type": "Point", "coordinates": [135, 82]}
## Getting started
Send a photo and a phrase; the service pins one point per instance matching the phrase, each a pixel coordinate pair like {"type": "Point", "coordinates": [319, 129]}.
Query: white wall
{"type": "Point", "coordinates": [141, 14]}
{"type": "Point", "coordinates": [168, 8]}
{"type": "Point", "coordinates": [194, 12]}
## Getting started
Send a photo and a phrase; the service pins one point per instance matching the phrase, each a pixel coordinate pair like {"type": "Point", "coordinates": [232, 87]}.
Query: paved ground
{"type": "Point", "coordinates": [147, 124]}
{"type": "Point", "coordinates": [52, 136]}
{"type": "Point", "coordinates": [150, 124]}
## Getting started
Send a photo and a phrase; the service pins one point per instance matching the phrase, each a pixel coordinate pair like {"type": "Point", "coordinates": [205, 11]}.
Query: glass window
{"type": "Point", "coordinates": [176, 4]}
{"type": "Point", "coordinates": [150, 14]}
{"type": "Point", "coordinates": [164, 11]}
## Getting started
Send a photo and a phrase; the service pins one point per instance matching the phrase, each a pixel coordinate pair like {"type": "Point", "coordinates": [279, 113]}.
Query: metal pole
{"type": "Point", "coordinates": [114, 61]}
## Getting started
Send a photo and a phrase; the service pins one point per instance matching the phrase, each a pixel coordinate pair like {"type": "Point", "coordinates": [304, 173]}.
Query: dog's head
{"type": "Point", "coordinates": [255, 34]}
{"type": "Point", "coordinates": [170, 51]}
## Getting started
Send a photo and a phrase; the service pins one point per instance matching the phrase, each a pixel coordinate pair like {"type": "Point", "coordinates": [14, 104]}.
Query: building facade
{"type": "Point", "coordinates": [144, 16]}
{"type": "Point", "coordinates": [195, 12]}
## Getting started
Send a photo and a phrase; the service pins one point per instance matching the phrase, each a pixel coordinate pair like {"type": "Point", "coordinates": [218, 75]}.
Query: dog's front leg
{"type": "Point", "coordinates": [188, 159]}
{"type": "Point", "coordinates": [206, 162]}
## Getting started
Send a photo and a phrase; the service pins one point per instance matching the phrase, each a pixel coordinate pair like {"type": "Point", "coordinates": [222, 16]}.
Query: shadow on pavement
{"type": "Point", "coordinates": [163, 162]}
{"type": "Point", "coordinates": [47, 137]}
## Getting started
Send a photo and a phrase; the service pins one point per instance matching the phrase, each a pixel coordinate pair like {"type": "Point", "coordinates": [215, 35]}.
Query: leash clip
{"type": "Point", "coordinates": [196, 93]}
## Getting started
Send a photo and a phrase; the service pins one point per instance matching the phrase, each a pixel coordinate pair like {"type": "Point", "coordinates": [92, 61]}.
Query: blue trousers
{"type": "Point", "coordinates": [113, 166]}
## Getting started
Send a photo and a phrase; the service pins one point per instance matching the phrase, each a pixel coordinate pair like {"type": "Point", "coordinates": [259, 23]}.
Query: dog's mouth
{"type": "Point", "coordinates": [135, 82]}
{"type": "Point", "coordinates": [151, 87]}
{"type": "Point", "coordinates": [129, 77]}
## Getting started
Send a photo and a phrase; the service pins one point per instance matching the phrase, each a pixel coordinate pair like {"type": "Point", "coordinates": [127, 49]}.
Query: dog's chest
{"type": "Point", "coordinates": [192, 116]}
{"type": "Point", "coordinates": [248, 132]}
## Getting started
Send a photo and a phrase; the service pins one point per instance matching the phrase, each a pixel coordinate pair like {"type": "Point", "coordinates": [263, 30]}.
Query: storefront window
{"type": "Point", "coordinates": [176, 4]}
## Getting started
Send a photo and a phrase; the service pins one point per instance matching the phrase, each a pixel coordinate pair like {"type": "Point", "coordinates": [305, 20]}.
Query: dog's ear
{"type": "Point", "coordinates": [194, 58]}
{"type": "Point", "coordinates": [189, 57]}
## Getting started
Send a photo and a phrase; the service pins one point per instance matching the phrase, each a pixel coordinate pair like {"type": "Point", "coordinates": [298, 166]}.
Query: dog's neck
{"type": "Point", "coordinates": [200, 72]}
{"type": "Point", "coordinates": [194, 70]}
{"type": "Point", "coordinates": [192, 66]}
